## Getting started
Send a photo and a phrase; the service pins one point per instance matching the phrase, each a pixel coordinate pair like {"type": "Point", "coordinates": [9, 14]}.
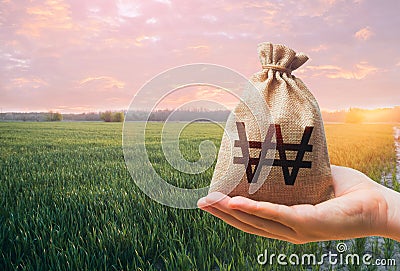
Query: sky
{"type": "Point", "coordinates": [93, 55]}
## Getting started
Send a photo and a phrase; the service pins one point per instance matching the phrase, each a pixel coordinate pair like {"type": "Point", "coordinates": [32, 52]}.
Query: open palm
{"type": "Point", "coordinates": [359, 209]}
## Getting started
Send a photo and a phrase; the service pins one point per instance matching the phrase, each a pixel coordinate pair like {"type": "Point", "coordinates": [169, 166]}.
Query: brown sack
{"type": "Point", "coordinates": [277, 154]}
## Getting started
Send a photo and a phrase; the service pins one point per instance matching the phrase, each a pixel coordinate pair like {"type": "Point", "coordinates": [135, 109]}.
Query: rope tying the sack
{"type": "Point", "coordinates": [277, 68]}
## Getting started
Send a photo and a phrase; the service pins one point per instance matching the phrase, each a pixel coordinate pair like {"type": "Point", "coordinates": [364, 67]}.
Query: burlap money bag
{"type": "Point", "coordinates": [280, 158]}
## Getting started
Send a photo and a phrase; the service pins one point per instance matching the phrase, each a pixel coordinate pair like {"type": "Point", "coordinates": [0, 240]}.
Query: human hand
{"type": "Point", "coordinates": [361, 208]}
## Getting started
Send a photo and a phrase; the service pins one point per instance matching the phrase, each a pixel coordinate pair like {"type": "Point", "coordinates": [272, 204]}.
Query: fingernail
{"type": "Point", "coordinates": [202, 203]}
{"type": "Point", "coordinates": [215, 197]}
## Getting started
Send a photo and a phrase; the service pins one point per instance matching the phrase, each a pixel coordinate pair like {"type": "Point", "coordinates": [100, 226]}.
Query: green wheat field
{"type": "Point", "coordinates": [67, 202]}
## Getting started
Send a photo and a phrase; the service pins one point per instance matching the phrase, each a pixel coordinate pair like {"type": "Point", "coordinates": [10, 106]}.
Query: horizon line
{"type": "Point", "coordinates": [189, 109]}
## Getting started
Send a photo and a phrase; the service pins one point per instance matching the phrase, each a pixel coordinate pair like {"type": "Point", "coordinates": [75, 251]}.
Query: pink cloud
{"type": "Point", "coordinates": [364, 33]}
{"type": "Point", "coordinates": [51, 15]}
{"type": "Point", "coordinates": [321, 47]}
{"type": "Point", "coordinates": [360, 71]}
{"type": "Point", "coordinates": [29, 82]}
{"type": "Point", "coordinates": [200, 96]}
{"type": "Point", "coordinates": [101, 83]}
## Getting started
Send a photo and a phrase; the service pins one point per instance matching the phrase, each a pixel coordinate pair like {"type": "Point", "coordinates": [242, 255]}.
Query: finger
{"type": "Point", "coordinates": [270, 226]}
{"type": "Point", "coordinates": [227, 218]}
{"type": "Point", "coordinates": [202, 203]}
{"type": "Point", "coordinates": [279, 213]}
{"type": "Point", "coordinates": [211, 199]}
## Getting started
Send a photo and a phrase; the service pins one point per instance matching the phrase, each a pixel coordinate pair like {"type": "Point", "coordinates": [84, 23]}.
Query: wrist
{"type": "Point", "coordinates": [392, 229]}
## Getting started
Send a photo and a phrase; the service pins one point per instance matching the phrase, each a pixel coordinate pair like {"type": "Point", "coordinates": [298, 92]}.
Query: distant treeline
{"type": "Point", "coordinates": [186, 115]}
{"type": "Point", "coordinates": [353, 115]}
{"type": "Point", "coordinates": [32, 116]}
{"type": "Point", "coordinates": [107, 116]}
{"type": "Point", "coordinates": [43, 116]}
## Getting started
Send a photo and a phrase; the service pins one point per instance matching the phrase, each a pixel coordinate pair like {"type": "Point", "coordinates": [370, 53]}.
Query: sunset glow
{"type": "Point", "coordinates": [92, 55]}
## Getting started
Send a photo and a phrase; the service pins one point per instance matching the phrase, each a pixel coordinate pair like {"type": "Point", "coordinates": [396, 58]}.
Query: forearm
{"type": "Point", "coordinates": [393, 214]}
